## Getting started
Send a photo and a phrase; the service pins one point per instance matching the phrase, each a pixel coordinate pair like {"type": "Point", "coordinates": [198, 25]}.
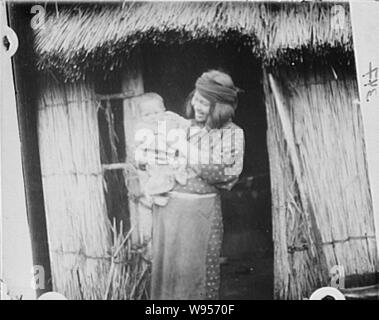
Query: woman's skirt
{"type": "Point", "coordinates": [187, 237]}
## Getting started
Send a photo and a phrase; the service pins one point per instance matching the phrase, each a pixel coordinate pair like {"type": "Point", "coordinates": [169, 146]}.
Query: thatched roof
{"type": "Point", "coordinates": [82, 38]}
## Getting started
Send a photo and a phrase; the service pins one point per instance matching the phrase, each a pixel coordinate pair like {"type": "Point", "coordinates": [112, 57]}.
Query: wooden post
{"type": "Point", "coordinates": [132, 81]}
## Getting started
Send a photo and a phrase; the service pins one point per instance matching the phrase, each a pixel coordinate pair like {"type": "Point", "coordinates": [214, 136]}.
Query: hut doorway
{"type": "Point", "coordinates": [171, 71]}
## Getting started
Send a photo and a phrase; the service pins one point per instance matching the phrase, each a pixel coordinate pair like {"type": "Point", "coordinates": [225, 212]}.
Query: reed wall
{"type": "Point", "coordinates": [78, 228]}
{"type": "Point", "coordinates": [326, 129]}
{"type": "Point", "coordinates": [91, 256]}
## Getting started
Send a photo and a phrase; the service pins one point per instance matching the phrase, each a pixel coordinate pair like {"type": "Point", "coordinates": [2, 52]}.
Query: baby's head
{"type": "Point", "coordinates": [151, 104]}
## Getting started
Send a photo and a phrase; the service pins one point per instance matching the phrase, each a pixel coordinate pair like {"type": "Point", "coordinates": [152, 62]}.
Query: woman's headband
{"type": "Point", "coordinates": [215, 92]}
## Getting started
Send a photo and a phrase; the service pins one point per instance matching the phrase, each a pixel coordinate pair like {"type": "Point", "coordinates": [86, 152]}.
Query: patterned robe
{"type": "Point", "coordinates": [187, 233]}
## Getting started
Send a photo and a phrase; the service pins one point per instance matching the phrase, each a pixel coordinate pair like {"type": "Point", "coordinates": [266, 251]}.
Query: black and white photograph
{"type": "Point", "coordinates": [189, 150]}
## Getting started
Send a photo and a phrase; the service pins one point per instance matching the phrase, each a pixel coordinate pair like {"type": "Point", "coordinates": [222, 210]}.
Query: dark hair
{"type": "Point", "coordinates": [220, 113]}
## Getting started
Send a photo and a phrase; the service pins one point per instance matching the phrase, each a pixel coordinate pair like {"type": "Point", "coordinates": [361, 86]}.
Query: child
{"type": "Point", "coordinates": [160, 164]}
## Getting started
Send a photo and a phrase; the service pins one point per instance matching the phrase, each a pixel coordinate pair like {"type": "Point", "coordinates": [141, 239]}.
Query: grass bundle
{"type": "Point", "coordinates": [129, 275]}
{"type": "Point", "coordinates": [89, 37]}
{"type": "Point", "coordinates": [328, 134]}
{"type": "Point", "coordinates": [297, 270]}
{"type": "Point", "coordinates": [331, 145]}
{"type": "Point", "coordinates": [78, 232]}
{"type": "Point", "coordinates": [90, 257]}
{"type": "Point", "coordinates": [311, 26]}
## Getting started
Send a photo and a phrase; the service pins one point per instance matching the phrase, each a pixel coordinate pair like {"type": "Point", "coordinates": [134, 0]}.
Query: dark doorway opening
{"type": "Point", "coordinates": [171, 71]}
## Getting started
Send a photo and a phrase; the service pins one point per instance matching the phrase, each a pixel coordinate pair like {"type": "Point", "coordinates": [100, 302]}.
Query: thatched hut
{"type": "Point", "coordinates": [300, 114]}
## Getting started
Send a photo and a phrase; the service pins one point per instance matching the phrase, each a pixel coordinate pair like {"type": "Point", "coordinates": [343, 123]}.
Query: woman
{"type": "Point", "coordinates": [187, 233]}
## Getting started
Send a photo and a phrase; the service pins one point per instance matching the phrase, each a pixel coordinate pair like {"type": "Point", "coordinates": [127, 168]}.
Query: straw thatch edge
{"type": "Point", "coordinates": [90, 38]}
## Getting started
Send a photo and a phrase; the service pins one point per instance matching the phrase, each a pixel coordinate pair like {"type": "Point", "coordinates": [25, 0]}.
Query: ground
{"type": "Point", "coordinates": [247, 245]}
{"type": "Point", "coordinates": [247, 279]}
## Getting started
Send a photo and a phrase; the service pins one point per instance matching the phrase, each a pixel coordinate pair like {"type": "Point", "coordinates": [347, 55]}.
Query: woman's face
{"type": "Point", "coordinates": [201, 107]}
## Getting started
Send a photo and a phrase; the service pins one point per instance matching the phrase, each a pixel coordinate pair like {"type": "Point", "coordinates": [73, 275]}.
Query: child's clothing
{"type": "Point", "coordinates": [160, 164]}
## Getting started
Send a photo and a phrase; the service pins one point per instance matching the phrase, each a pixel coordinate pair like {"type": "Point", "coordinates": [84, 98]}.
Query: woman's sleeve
{"type": "Point", "coordinates": [226, 152]}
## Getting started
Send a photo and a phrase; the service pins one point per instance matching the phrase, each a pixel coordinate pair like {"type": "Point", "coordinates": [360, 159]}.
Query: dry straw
{"type": "Point", "coordinates": [129, 275]}
{"type": "Point", "coordinates": [82, 242]}
{"type": "Point", "coordinates": [327, 130]}
{"type": "Point", "coordinates": [73, 189]}
{"type": "Point", "coordinates": [99, 36]}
